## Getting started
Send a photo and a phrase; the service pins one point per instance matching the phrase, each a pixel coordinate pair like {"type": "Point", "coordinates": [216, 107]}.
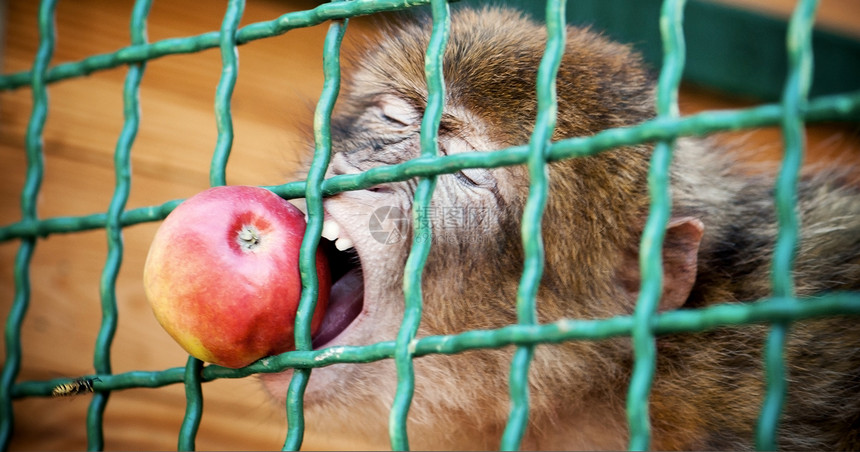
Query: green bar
{"type": "Point", "coordinates": [844, 107]}
{"type": "Point", "coordinates": [192, 44]}
{"type": "Point", "coordinates": [650, 259]}
{"type": "Point", "coordinates": [531, 228]}
{"type": "Point", "coordinates": [719, 35]}
{"type": "Point", "coordinates": [113, 226]}
{"type": "Point", "coordinates": [422, 232]}
{"type": "Point", "coordinates": [295, 409]}
{"type": "Point", "coordinates": [311, 239]}
{"type": "Point", "coordinates": [29, 195]}
{"type": "Point", "coordinates": [672, 322]}
{"type": "Point", "coordinates": [224, 91]}
{"type": "Point", "coordinates": [193, 404]}
{"type": "Point", "coordinates": [794, 100]}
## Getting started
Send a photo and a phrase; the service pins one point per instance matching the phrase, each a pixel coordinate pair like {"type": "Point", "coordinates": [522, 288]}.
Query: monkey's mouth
{"type": "Point", "coordinates": [346, 300]}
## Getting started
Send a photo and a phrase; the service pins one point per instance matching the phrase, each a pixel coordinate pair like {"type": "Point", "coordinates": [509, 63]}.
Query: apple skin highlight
{"type": "Point", "coordinates": [222, 275]}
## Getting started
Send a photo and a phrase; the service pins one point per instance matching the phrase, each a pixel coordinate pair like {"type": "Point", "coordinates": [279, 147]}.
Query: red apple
{"type": "Point", "coordinates": [222, 275]}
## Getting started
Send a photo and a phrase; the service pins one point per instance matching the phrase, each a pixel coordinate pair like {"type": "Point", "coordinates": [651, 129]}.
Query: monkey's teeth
{"type": "Point", "coordinates": [330, 230]}
{"type": "Point", "coordinates": [343, 244]}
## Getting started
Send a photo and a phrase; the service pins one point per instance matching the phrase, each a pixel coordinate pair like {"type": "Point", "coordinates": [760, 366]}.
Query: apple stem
{"type": "Point", "coordinates": [248, 237]}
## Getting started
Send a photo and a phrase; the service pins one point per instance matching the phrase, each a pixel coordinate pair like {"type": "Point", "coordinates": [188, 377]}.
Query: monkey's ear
{"type": "Point", "coordinates": [680, 258]}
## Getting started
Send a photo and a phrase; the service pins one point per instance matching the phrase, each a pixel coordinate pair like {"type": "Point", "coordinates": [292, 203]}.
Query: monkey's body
{"type": "Point", "coordinates": [708, 388]}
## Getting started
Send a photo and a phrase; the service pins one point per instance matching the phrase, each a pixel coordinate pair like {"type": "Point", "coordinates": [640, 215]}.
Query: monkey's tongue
{"type": "Point", "coordinates": [344, 305]}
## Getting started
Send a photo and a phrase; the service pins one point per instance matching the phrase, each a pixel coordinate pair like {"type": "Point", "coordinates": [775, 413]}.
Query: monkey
{"type": "Point", "coordinates": [708, 387]}
{"type": "Point", "coordinates": [75, 387]}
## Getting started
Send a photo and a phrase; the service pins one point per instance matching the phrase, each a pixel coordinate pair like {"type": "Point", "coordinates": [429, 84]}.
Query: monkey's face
{"type": "Point", "coordinates": [473, 239]}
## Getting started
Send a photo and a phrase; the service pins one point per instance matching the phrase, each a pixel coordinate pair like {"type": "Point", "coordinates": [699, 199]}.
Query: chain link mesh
{"type": "Point", "coordinates": [779, 311]}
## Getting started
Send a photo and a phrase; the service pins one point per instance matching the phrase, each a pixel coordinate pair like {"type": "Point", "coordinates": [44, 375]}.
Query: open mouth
{"type": "Point", "coordinates": [346, 300]}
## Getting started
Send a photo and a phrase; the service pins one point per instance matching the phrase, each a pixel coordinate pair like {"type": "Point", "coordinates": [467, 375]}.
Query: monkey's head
{"type": "Point", "coordinates": [591, 227]}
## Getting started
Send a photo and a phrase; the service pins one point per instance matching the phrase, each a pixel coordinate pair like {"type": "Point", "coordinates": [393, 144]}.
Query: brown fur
{"type": "Point", "coordinates": [708, 387]}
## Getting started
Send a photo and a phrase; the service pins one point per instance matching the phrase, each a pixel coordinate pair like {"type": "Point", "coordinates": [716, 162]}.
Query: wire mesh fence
{"type": "Point", "coordinates": [642, 326]}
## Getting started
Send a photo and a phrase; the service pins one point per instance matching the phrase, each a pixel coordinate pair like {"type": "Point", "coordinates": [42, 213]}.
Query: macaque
{"type": "Point", "coordinates": [708, 387]}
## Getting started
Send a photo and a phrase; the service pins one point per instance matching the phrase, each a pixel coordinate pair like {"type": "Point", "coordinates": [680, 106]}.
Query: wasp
{"type": "Point", "coordinates": [74, 387]}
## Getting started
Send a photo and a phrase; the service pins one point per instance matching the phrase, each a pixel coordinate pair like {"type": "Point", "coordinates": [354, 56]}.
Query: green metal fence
{"type": "Point", "coordinates": [791, 113]}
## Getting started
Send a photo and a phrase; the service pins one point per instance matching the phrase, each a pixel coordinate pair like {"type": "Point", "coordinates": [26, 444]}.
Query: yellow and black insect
{"type": "Point", "coordinates": [74, 387]}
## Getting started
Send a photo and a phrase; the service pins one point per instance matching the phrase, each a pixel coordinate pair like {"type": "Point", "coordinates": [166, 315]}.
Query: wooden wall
{"type": "Point", "coordinates": [279, 81]}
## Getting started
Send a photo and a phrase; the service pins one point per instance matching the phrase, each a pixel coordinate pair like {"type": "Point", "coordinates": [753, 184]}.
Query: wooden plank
{"type": "Point", "coordinates": [279, 81]}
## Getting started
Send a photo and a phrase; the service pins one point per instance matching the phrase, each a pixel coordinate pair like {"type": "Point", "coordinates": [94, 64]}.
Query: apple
{"type": "Point", "coordinates": [222, 275]}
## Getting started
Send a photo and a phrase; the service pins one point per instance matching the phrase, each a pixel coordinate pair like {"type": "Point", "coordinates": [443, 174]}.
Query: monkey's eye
{"type": "Point", "coordinates": [475, 177]}
{"type": "Point", "coordinates": [396, 111]}
{"type": "Point", "coordinates": [464, 178]}
{"type": "Point", "coordinates": [393, 120]}
{"type": "Point", "coordinates": [470, 177]}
